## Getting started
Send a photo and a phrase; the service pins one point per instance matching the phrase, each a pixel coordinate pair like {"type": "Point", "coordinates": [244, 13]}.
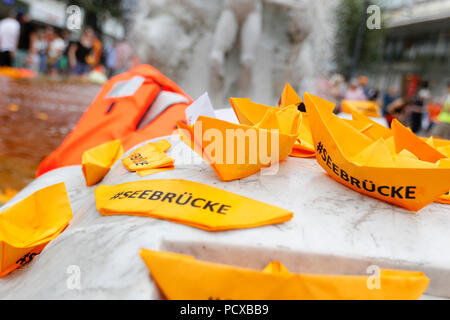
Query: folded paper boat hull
{"type": "Point", "coordinates": [368, 108]}
{"type": "Point", "coordinates": [97, 162]}
{"type": "Point", "coordinates": [181, 277]}
{"type": "Point", "coordinates": [250, 113]}
{"type": "Point", "coordinates": [12, 258]}
{"type": "Point", "coordinates": [252, 158]}
{"type": "Point", "coordinates": [410, 188]}
{"type": "Point", "coordinates": [28, 226]}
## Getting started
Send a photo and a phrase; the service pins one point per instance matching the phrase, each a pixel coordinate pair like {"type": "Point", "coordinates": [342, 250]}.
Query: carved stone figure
{"type": "Point", "coordinates": [245, 48]}
{"type": "Point", "coordinates": [237, 15]}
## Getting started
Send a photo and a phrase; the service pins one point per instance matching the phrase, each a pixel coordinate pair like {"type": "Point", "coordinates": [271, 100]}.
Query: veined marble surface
{"type": "Point", "coordinates": [334, 230]}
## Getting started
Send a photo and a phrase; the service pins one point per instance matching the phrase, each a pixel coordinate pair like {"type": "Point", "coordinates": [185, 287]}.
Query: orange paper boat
{"type": "Point", "coordinates": [236, 151]}
{"type": "Point", "coordinates": [368, 108]}
{"type": "Point", "coordinates": [181, 277]}
{"type": "Point", "coordinates": [251, 113]}
{"type": "Point", "coordinates": [96, 162]}
{"type": "Point", "coordinates": [28, 226]}
{"type": "Point", "coordinates": [375, 168]}
{"type": "Point", "coordinates": [405, 139]}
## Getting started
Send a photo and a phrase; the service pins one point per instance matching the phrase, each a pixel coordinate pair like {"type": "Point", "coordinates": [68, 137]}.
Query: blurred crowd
{"type": "Point", "coordinates": [58, 52]}
{"type": "Point", "coordinates": [424, 114]}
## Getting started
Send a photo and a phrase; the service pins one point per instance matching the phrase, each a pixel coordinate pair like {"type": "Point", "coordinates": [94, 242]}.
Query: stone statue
{"type": "Point", "coordinates": [247, 48]}
{"type": "Point", "coordinates": [237, 15]}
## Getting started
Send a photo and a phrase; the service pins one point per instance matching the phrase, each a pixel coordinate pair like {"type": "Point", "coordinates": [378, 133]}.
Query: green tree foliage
{"type": "Point", "coordinates": [100, 6]}
{"type": "Point", "coordinates": [348, 15]}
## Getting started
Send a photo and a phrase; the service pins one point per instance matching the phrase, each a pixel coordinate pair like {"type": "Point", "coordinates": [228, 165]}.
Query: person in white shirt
{"type": "Point", "coordinates": [56, 48]}
{"type": "Point", "coordinates": [9, 37]}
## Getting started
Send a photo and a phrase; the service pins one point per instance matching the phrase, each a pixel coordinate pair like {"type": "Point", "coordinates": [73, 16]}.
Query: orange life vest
{"type": "Point", "coordinates": [135, 106]}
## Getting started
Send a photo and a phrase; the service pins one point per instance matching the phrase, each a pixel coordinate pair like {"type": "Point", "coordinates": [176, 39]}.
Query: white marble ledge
{"type": "Point", "coordinates": [334, 230]}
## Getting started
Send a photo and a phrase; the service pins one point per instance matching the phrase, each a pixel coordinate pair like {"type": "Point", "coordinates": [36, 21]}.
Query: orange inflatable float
{"type": "Point", "coordinates": [135, 106]}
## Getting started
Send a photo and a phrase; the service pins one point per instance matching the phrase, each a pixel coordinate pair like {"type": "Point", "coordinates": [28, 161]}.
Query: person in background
{"type": "Point", "coordinates": [79, 51]}
{"type": "Point", "coordinates": [442, 128]}
{"type": "Point", "coordinates": [94, 58]}
{"type": "Point", "coordinates": [64, 61]}
{"type": "Point", "coordinates": [337, 90]}
{"type": "Point", "coordinates": [55, 51]}
{"type": "Point", "coordinates": [40, 52]}
{"type": "Point", "coordinates": [371, 94]}
{"type": "Point", "coordinates": [354, 92]}
{"type": "Point", "coordinates": [397, 109]}
{"type": "Point", "coordinates": [26, 43]}
{"type": "Point", "coordinates": [417, 109]}
{"type": "Point", "coordinates": [388, 99]}
{"type": "Point", "coordinates": [124, 57]}
{"type": "Point", "coordinates": [9, 38]}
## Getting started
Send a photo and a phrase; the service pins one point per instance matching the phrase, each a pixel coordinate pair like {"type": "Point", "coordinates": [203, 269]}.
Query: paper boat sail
{"type": "Point", "coordinates": [373, 167]}
{"type": "Point", "coordinates": [28, 226]}
{"type": "Point", "coordinates": [368, 127]}
{"type": "Point", "coordinates": [236, 151]}
{"type": "Point", "coordinates": [290, 97]}
{"type": "Point", "coordinates": [368, 108]}
{"type": "Point", "coordinates": [97, 162]}
{"type": "Point", "coordinates": [251, 113]}
{"type": "Point", "coordinates": [404, 139]}
{"type": "Point", "coordinates": [181, 277]}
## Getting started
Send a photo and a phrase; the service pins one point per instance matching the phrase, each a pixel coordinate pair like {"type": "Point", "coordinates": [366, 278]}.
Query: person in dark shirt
{"type": "Point", "coordinates": [79, 51]}
{"type": "Point", "coordinates": [417, 109]}
{"type": "Point", "coordinates": [25, 45]}
{"type": "Point", "coordinates": [388, 99]}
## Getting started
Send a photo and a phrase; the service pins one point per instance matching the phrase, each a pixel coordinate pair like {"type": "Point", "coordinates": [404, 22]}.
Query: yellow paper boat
{"type": "Point", "coordinates": [97, 161]}
{"type": "Point", "coordinates": [181, 277]}
{"type": "Point", "coordinates": [236, 151]}
{"type": "Point", "coordinates": [406, 139]}
{"type": "Point", "coordinates": [250, 113]}
{"type": "Point", "coordinates": [373, 167]}
{"type": "Point", "coordinates": [443, 147]}
{"type": "Point", "coordinates": [368, 127]}
{"type": "Point", "coordinates": [368, 108]}
{"type": "Point", "coordinates": [28, 226]}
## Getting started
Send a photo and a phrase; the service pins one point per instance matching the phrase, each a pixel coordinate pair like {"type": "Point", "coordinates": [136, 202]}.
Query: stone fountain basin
{"type": "Point", "coordinates": [334, 231]}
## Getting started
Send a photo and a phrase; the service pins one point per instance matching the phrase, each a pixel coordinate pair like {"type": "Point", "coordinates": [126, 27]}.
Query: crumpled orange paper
{"type": "Point", "coordinates": [182, 277]}
{"type": "Point", "coordinates": [376, 167]}
{"type": "Point", "coordinates": [150, 159]}
{"type": "Point", "coordinates": [28, 226]}
{"type": "Point", "coordinates": [97, 162]}
{"type": "Point", "coordinates": [187, 202]}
